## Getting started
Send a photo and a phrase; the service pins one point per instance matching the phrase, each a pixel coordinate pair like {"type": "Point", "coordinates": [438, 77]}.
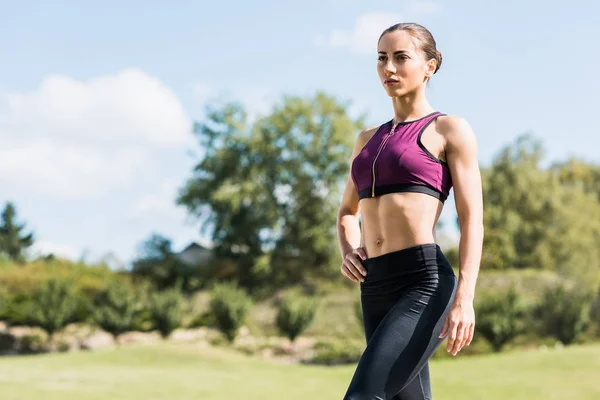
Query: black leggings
{"type": "Point", "coordinates": [405, 298]}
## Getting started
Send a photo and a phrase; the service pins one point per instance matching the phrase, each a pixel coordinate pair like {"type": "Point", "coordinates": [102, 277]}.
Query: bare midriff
{"type": "Point", "coordinates": [397, 221]}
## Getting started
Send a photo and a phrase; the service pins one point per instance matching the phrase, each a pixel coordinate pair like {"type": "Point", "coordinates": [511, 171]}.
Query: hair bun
{"type": "Point", "coordinates": [439, 60]}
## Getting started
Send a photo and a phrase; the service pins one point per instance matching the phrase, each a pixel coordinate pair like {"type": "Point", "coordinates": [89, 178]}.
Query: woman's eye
{"type": "Point", "coordinates": [381, 58]}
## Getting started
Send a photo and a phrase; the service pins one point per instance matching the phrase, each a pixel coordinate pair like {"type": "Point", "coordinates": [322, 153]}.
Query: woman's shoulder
{"type": "Point", "coordinates": [455, 129]}
{"type": "Point", "coordinates": [449, 122]}
{"type": "Point", "coordinates": [366, 134]}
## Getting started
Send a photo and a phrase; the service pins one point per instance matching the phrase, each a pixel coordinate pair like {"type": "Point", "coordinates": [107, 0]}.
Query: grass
{"type": "Point", "coordinates": [184, 371]}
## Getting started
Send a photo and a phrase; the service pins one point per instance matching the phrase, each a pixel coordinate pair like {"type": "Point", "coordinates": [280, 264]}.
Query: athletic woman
{"type": "Point", "coordinates": [401, 175]}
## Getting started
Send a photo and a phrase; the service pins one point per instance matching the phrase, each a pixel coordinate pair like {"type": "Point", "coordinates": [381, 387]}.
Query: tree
{"type": "Point", "coordinates": [564, 312]}
{"type": "Point", "coordinates": [53, 305]}
{"type": "Point", "coordinates": [295, 314]}
{"type": "Point", "coordinates": [577, 173]}
{"type": "Point", "coordinates": [160, 264]}
{"type": "Point", "coordinates": [501, 317]}
{"type": "Point", "coordinates": [166, 310]}
{"type": "Point", "coordinates": [540, 218]}
{"type": "Point", "coordinates": [118, 308]}
{"type": "Point", "coordinates": [519, 202]}
{"type": "Point", "coordinates": [270, 190]}
{"type": "Point", "coordinates": [229, 305]}
{"type": "Point", "coordinates": [13, 241]}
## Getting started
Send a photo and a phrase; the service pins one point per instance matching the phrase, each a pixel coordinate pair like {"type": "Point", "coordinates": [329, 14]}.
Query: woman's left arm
{"type": "Point", "coordinates": [461, 155]}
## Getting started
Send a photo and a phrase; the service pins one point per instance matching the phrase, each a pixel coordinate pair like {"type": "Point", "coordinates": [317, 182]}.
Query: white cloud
{"type": "Point", "coordinates": [256, 99]}
{"type": "Point", "coordinates": [64, 170]}
{"type": "Point", "coordinates": [362, 38]}
{"type": "Point", "coordinates": [160, 203]}
{"type": "Point", "coordinates": [71, 138]}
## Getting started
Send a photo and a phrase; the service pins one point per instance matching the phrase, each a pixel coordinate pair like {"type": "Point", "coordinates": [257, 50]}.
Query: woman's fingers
{"type": "Point", "coordinates": [352, 273]}
{"type": "Point", "coordinates": [460, 337]}
{"type": "Point", "coordinates": [471, 334]}
{"type": "Point", "coordinates": [357, 266]}
{"type": "Point", "coordinates": [346, 272]}
{"type": "Point", "coordinates": [352, 266]}
{"type": "Point", "coordinates": [361, 252]}
{"type": "Point", "coordinates": [445, 329]}
{"type": "Point", "coordinates": [453, 333]}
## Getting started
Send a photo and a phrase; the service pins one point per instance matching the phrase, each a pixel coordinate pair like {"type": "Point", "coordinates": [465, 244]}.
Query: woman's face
{"type": "Point", "coordinates": [401, 65]}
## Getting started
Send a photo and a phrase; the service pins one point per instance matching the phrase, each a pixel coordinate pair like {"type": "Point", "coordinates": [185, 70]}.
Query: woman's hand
{"type": "Point", "coordinates": [460, 323]}
{"type": "Point", "coordinates": [352, 266]}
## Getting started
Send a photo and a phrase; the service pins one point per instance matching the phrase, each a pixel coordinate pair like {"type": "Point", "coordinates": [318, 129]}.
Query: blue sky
{"type": "Point", "coordinates": [96, 100]}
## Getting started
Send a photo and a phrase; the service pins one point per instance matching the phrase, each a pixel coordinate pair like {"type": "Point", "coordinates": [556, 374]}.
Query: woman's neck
{"type": "Point", "coordinates": [409, 107]}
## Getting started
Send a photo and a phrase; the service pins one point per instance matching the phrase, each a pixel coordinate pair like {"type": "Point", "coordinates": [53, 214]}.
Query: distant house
{"type": "Point", "coordinates": [195, 254]}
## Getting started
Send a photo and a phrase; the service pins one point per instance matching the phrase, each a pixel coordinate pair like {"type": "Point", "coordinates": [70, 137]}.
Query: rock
{"type": "Point", "coordinates": [97, 340]}
{"type": "Point", "coordinates": [139, 338]}
{"type": "Point", "coordinates": [244, 331]}
{"type": "Point", "coordinates": [188, 335]}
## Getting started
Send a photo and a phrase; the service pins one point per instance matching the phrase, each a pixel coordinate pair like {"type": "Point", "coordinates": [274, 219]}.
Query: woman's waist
{"type": "Point", "coordinates": [416, 261]}
{"type": "Point", "coordinates": [384, 241]}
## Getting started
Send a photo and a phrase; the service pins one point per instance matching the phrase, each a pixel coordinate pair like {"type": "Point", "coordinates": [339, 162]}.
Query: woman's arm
{"type": "Point", "coordinates": [348, 229]}
{"type": "Point", "coordinates": [461, 154]}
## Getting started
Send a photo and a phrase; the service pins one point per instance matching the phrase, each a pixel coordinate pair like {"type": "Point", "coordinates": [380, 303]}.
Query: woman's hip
{"type": "Point", "coordinates": [423, 268]}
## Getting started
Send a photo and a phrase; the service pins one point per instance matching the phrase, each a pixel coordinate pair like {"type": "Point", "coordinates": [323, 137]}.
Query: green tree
{"type": "Point", "coordinates": [160, 264]}
{"type": "Point", "coordinates": [229, 305]}
{"type": "Point", "coordinates": [166, 310]}
{"type": "Point", "coordinates": [295, 314]}
{"type": "Point", "coordinates": [13, 241]}
{"type": "Point", "coordinates": [53, 305]}
{"type": "Point", "coordinates": [564, 312]}
{"type": "Point", "coordinates": [117, 308]}
{"type": "Point", "coordinates": [269, 190]}
{"type": "Point", "coordinates": [520, 199]}
{"type": "Point", "coordinates": [578, 173]}
{"type": "Point", "coordinates": [534, 217]}
{"type": "Point", "coordinates": [500, 317]}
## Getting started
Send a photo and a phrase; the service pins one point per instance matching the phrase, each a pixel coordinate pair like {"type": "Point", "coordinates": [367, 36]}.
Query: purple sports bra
{"type": "Point", "coordinates": [399, 162]}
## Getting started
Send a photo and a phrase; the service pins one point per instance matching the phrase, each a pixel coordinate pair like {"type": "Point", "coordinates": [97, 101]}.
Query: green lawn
{"type": "Point", "coordinates": [175, 371]}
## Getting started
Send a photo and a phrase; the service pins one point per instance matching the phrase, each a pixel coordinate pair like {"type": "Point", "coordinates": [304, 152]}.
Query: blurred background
{"type": "Point", "coordinates": [170, 175]}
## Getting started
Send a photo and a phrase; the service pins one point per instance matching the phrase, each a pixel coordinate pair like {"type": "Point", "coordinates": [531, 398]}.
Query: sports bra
{"type": "Point", "coordinates": [397, 161]}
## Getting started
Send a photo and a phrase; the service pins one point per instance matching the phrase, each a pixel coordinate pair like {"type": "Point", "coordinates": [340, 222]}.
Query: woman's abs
{"type": "Point", "coordinates": [397, 221]}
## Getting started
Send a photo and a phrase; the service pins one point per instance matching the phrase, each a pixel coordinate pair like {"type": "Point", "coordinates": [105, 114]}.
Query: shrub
{"type": "Point", "coordinates": [229, 305]}
{"type": "Point", "coordinates": [336, 351]}
{"type": "Point", "coordinates": [295, 314]}
{"type": "Point", "coordinates": [564, 312]}
{"type": "Point", "coordinates": [52, 306]}
{"type": "Point", "coordinates": [166, 310]}
{"type": "Point", "coordinates": [595, 313]}
{"type": "Point", "coordinates": [499, 317]}
{"type": "Point", "coordinates": [117, 308]}
{"type": "Point", "coordinates": [358, 309]}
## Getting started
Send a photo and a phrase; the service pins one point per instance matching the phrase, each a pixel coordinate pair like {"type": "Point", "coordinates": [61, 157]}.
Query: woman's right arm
{"type": "Point", "coordinates": [348, 229]}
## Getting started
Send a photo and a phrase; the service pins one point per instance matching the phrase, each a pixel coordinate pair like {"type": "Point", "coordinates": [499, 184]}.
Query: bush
{"type": "Point", "coordinates": [229, 306]}
{"type": "Point", "coordinates": [499, 317]}
{"type": "Point", "coordinates": [53, 305]}
{"type": "Point", "coordinates": [595, 313]}
{"type": "Point", "coordinates": [332, 352]}
{"type": "Point", "coordinates": [117, 308]}
{"type": "Point", "coordinates": [295, 314]}
{"type": "Point", "coordinates": [18, 282]}
{"type": "Point", "coordinates": [564, 312]}
{"type": "Point", "coordinates": [358, 309]}
{"type": "Point", "coordinates": [166, 310]}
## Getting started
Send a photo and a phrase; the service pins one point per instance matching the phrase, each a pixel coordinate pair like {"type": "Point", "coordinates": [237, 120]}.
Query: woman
{"type": "Point", "coordinates": [401, 174]}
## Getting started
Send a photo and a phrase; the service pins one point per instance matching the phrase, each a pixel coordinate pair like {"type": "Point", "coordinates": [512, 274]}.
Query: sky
{"type": "Point", "coordinates": [97, 99]}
